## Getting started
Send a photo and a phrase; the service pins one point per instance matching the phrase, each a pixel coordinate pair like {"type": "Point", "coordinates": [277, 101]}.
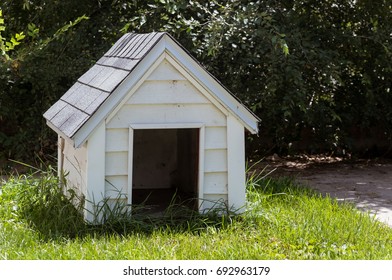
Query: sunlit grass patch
{"type": "Point", "coordinates": [283, 220]}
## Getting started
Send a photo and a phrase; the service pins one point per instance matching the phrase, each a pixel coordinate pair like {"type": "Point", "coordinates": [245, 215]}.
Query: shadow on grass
{"type": "Point", "coordinates": [56, 215]}
{"type": "Point", "coordinates": [124, 219]}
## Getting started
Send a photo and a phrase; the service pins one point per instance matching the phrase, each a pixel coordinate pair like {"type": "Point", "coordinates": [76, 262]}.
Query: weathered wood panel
{"type": "Point", "coordinates": [215, 183]}
{"type": "Point", "coordinates": [167, 92]}
{"type": "Point", "coordinates": [215, 160]}
{"type": "Point", "coordinates": [216, 138]}
{"type": "Point", "coordinates": [154, 158]}
{"type": "Point", "coordinates": [117, 140]}
{"type": "Point", "coordinates": [116, 163]}
{"type": "Point", "coordinates": [166, 71]}
{"type": "Point", "coordinates": [180, 113]}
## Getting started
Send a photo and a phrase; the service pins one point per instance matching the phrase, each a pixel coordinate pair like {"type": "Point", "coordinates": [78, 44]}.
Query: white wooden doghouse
{"type": "Point", "coordinates": [148, 117]}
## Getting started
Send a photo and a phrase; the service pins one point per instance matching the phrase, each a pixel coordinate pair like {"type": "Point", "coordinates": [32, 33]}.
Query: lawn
{"type": "Point", "coordinates": [283, 220]}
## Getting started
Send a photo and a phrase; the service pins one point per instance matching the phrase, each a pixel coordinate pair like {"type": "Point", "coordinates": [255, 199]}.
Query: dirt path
{"type": "Point", "coordinates": [366, 184]}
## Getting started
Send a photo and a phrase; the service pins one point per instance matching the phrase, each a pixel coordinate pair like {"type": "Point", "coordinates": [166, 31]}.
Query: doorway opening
{"type": "Point", "coordinates": [165, 168]}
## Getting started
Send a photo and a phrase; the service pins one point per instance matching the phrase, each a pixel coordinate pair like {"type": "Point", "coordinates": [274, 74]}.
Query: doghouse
{"type": "Point", "coordinates": [148, 118]}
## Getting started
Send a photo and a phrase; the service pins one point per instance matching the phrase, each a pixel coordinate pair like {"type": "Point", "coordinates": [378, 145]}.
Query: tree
{"type": "Point", "coordinates": [26, 82]}
{"type": "Point", "coordinates": [318, 73]}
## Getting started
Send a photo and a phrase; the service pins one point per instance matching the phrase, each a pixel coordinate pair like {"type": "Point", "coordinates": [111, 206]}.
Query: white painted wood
{"type": "Point", "coordinates": [192, 113]}
{"type": "Point", "coordinates": [200, 87]}
{"type": "Point", "coordinates": [117, 140]}
{"type": "Point", "coordinates": [202, 141]}
{"type": "Point", "coordinates": [143, 69]}
{"type": "Point", "coordinates": [165, 125]}
{"type": "Point", "coordinates": [60, 157]}
{"type": "Point", "coordinates": [215, 160]}
{"type": "Point", "coordinates": [130, 164]}
{"type": "Point", "coordinates": [133, 86]}
{"type": "Point", "coordinates": [165, 71]}
{"type": "Point", "coordinates": [215, 183]}
{"type": "Point", "coordinates": [116, 163]}
{"type": "Point", "coordinates": [236, 163]}
{"type": "Point", "coordinates": [95, 170]}
{"type": "Point", "coordinates": [116, 186]}
{"type": "Point", "coordinates": [216, 137]}
{"type": "Point", "coordinates": [75, 168]}
{"type": "Point", "coordinates": [248, 119]}
{"type": "Point", "coordinates": [211, 201]}
{"type": "Point", "coordinates": [167, 92]}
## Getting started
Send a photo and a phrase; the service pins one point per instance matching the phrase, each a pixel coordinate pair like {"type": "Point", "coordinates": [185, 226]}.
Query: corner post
{"type": "Point", "coordinates": [236, 164]}
{"type": "Point", "coordinates": [95, 192]}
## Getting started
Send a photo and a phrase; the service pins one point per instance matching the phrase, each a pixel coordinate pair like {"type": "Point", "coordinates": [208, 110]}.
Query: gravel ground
{"type": "Point", "coordinates": [366, 184]}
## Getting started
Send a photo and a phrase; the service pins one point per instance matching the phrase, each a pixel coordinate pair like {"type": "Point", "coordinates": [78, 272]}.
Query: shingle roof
{"type": "Point", "coordinates": [80, 102]}
{"type": "Point", "coordinates": [102, 87]}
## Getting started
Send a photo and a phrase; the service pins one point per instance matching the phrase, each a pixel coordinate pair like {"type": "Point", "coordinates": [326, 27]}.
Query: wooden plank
{"type": "Point", "coordinates": [214, 201]}
{"type": "Point", "coordinates": [148, 114]}
{"type": "Point", "coordinates": [117, 140]}
{"type": "Point", "coordinates": [74, 167]}
{"type": "Point", "coordinates": [95, 170]}
{"type": "Point", "coordinates": [216, 137]}
{"type": "Point", "coordinates": [236, 163]}
{"type": "Point", "coordinates": [116, 163]}
{"type": "Point", "coordinates": [211, 85]}
{"type": "Point", "coordinates": [130, 162]}
{"type": "Point", "coordinates": [215, 183]}
{"type": "Point", "coordinates": [200, 190]}
{"type": "Point", "coordinates": [165, 71]}
{"type": "Point", "coordinates": [167, 92]}
{"type": "Point", "coordinates": [215, 161]}
{"type": "Point", "coordinates": [111, 106]}
{"type": "Point", "coordinates": [116, 186]}
{"type": "Point", "coordinates": [78, 157]}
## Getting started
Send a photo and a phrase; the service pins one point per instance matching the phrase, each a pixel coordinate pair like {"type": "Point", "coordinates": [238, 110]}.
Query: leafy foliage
{"type": "Point", "coordinates": [318, 73]}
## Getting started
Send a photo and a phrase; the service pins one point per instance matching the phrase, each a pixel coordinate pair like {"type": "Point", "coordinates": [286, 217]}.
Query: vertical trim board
{"type": "Point", "coordinates": [236, 163]}
{"type": "Point", "coordinates": [95, 170]}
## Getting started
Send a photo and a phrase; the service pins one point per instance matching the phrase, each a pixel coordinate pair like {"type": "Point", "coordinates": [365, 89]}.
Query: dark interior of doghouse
{"type": "Point", "coordinates": [165, 168]}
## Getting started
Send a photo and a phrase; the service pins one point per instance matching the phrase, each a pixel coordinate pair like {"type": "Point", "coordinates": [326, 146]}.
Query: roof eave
{"type": "Point", "coordinates": [81, 136]}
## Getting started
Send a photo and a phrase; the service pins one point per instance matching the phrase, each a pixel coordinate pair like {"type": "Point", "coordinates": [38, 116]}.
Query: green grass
{"type": "Point", "coordinates": [283, 221]}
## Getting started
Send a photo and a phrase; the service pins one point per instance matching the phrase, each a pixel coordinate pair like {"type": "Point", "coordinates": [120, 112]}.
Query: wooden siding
{"type": "Point", "coordinates": [117, 140]}
{"type": "Point", "coordinates": [116, 180]}
{"type": "Point", "coordinates": [165, 72]}
{"type": "Point", "coordinates": [167, 92]}
{"type": "Point", "coordinates": [214, 201]}
{"type": "Point", "coordinates": [215, 183]}
{"type": "Point", "coordinates": [215, 160]}
{"type": "Point", "coordinates": [116, 163]}
{"type": "Point", "coordinates": [216, 137]}
{"type": "Point", "coordinates": [75, 167]}
{"type": "Point", "coordinates": [167, 113]}
{"type": "Point", "coordinates": [116, 186]}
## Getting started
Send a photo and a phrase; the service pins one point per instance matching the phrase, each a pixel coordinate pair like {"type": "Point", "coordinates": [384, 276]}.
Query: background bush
{"type": "Point", "coordinates": [318, 73]}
